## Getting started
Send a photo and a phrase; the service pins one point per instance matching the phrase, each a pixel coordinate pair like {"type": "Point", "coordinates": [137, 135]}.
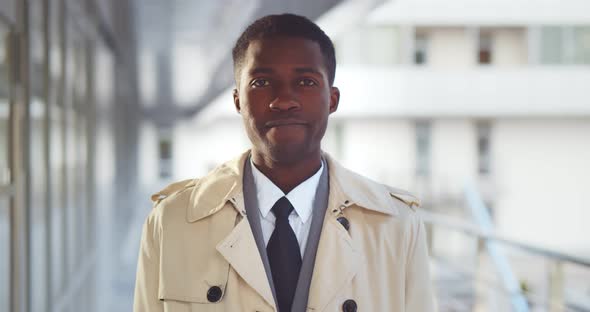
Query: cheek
{"type": "Point", "coordinates": [320, 110]}
{"type": "Point", "coordinates": [258, 96]}
{"type": "Point", "coordinates": [251, 123]}
{"type": "Point", "coordinates": [255, 103]}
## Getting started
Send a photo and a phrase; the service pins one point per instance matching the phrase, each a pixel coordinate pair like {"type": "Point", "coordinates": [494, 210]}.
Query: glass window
{"type": "Point", "coordinates": [423, 146]}
{"type": "Point", "coordinates": [57, 201]}
{"type": "Point", "coordinates": [485, 48]}
{"type": "Point", "coordinates": [582, 45]}
{"type": "Point", "coordinates": [55, 41]}
{"type": "Point", "coordinates": [4, 107]}
{"type": "Point", "coordinates": [56, 153]}
{"type": "Point", "coordinates": [4, 254]}
{"type": "Point", "coordinates": [483, 148]}
{"type": "Point", "coordinates": [71, 158]}
{"type": "Point", "coordinates": [421, 49]}
{"type": "Point", "coordinates": [165, 153]}
{"type": "Point", "coordinates": [565, 45]}
{"type": "Point", "coordinates": [552, 45]}
{"type": "Point", "coordinates": [5, 180]}
{"type": "Point", "coordinates": [82, 189]}
{"type": "Point", "coordinates": [38, 157]}
{"type": "Point", "coordinates": [78, 167]}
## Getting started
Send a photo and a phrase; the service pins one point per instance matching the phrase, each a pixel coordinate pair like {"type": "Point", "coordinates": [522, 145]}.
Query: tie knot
{"type": "Point", "coordinates": [282, 208]}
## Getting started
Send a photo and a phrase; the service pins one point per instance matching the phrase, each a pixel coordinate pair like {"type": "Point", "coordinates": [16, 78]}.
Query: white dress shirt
{"type": "Point", "coordinates": [301, 197]}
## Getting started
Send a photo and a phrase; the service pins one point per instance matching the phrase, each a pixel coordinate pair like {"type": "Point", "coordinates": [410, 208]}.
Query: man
{"type": "Point", "coordinates": [283, 227]}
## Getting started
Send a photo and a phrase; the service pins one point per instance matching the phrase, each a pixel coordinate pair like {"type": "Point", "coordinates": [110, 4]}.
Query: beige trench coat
{"type": "Point", "coordinates": [197, 237]}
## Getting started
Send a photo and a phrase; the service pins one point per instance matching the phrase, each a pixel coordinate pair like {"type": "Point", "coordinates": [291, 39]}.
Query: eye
{"type": "Point", "coordinates": [306, 82]}
{"type": "Point", "coordinates": [259, 83]}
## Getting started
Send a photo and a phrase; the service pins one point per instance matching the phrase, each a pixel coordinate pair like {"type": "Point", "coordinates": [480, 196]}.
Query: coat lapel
{"type": "Point", "coordinates": [338, 257]}
{"type": "Point", "coordinates": [336, 264]}
{"type": "Point", "coordinates": [240, 250]}
{"type": "Point", "coordinates": [213, 192]}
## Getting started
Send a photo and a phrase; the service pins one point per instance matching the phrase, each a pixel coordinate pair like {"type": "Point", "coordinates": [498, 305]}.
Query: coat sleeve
{"type": "Point", "coordinates": [419, 294]}
{"type": "Point", "coordinates": [147, 277]}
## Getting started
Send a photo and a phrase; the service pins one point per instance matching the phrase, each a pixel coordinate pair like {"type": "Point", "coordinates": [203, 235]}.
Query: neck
{"type": "Point", "coordinates": [287, 176]}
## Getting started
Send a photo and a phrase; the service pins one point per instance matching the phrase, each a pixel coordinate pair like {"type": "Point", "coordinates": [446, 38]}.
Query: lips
{"type": "Point", "coordinates": [285, 122]}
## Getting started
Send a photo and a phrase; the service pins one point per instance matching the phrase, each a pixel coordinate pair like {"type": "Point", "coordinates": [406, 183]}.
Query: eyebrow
{"type": "Point", "coordinates": [299, 70]}
{"type": "Point", "coordinates": [261, 70]}
{"type": "Point", "coordinates": [303, 70]}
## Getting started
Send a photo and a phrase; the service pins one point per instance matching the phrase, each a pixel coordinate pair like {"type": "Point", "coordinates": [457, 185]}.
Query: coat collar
{"type": "Point", "coordinates": [347, 188]}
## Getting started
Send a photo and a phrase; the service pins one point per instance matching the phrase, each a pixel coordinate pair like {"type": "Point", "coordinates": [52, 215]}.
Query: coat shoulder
{"type": "Point", "coordinates": [407, 198]}
{"type": "Point", "coordinates": [174, 195]}
{"type": "Point", "coordinates": [375, 195]}
{"type": "Point", "coordinates": [172, 189]}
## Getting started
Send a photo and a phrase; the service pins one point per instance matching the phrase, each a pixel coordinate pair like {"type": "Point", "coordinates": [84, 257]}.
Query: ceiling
{"type": "Point", "coordinates": [208, 30]}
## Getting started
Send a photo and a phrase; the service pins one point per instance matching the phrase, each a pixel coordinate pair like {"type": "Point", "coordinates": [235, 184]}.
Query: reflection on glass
{"type": "Point", "coordinates": [38, 224]}
{"type": "Point", "coordinates": [57, 201]}
{"type": "Point", "coordinates": [5, 86]}
{"type": "Point", "coordinates": [552, 43]}
{"type": "Point", "coordinates": [423, 152]}
{"type": "Point", "coordinates": [483, 148]}
{"type": "Point", "coordinates": [4, 255]}
{"type": "Point", "coordinates": [4, 106]}
{"type": "Point", "coordinates": [485, 48]}
{"type": "Point", "coordinates": [38, 156]}
{"type": "Point", "coordinates": [565, 45]}
{"type": "Point", "coordinates": [421, 49]}
{"type": "Point", "coordinates": [582, 45]}
{"type": "Point", "coordinates": [72, 254]}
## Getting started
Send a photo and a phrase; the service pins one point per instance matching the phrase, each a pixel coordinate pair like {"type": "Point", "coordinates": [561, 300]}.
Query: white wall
{"type": "Point", "coordinates": [454, 157]}
{"type": "Point", "coordinates": [380, 149]}
{"type": "Point", "coordinates": [542, 169]}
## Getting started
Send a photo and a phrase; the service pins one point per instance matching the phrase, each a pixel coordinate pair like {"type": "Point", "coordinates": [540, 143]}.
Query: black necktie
{"type": "Point", "coordinates": [284, 255]}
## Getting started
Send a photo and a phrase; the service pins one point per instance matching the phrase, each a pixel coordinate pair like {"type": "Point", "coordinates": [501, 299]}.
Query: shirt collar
{"type": "Point", "coordinates": [301, 197]}
{"type": "Point", "coordinates": [211, 193]}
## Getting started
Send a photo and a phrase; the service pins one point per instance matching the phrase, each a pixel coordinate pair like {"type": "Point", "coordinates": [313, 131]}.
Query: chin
{"type": "Point", "coordinates": [288, 153]}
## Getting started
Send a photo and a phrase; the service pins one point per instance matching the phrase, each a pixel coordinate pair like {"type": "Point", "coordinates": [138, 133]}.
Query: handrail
{"type": "Point", "coordinates": [471, 229]}
{"type": "Point", "coordinates": [482, 217]}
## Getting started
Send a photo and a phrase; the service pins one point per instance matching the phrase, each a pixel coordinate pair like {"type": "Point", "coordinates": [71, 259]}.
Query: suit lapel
{"type": "Point", "coordinates": [240, 250]}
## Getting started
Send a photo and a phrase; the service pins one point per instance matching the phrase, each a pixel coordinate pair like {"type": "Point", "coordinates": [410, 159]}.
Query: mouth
{"type": "Point", "coordinates": [285, 122]}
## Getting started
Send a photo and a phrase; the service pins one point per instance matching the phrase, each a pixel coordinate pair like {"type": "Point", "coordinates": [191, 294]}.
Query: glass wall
{"type": "Point", "coordinates": [5, 180]}
{"type": "Point", "coordinates": [38, 144]}
{"type": "Point", "coordinates": [56, 151]}
{"type": "Point", "coordinates": [49, 50]}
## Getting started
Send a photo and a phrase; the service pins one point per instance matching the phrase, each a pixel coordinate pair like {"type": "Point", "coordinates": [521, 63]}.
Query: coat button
{"type": "Point", "coordinates": [349, 306]}
{"type": "Point", "coordinates": [344, 222]}
{"type": "Point", "coordinates": [214, 294]}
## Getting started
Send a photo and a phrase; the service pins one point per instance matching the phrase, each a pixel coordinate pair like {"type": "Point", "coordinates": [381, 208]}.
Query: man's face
{"type": "Point", "coordinates": [284, 97]}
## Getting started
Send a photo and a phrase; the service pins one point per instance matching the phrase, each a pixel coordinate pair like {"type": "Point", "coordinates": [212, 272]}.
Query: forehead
{"type": "Point", "coordinates": [283, 51]}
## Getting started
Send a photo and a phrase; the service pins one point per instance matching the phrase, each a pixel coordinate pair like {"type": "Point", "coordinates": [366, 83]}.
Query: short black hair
{"type": "Point", "coordinates": [285, 25]}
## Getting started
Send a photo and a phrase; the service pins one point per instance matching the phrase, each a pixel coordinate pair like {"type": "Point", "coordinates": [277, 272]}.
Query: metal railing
{"type": "Point", "coordinates": [492, 245]}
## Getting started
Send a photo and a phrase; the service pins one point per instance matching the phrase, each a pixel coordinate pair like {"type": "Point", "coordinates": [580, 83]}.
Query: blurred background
{"type": "Point", "coordinates": [480, 107]}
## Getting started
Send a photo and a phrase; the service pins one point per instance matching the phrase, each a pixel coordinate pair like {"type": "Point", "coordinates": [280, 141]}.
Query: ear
{"type": "Point", "coordinates": [236, 96]}
{"type": "Point", "coordinates": [334, 99]}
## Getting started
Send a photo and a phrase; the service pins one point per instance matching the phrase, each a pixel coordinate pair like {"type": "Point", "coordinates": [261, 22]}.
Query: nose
{"type": "Point", "coordinates": [285, 100]}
